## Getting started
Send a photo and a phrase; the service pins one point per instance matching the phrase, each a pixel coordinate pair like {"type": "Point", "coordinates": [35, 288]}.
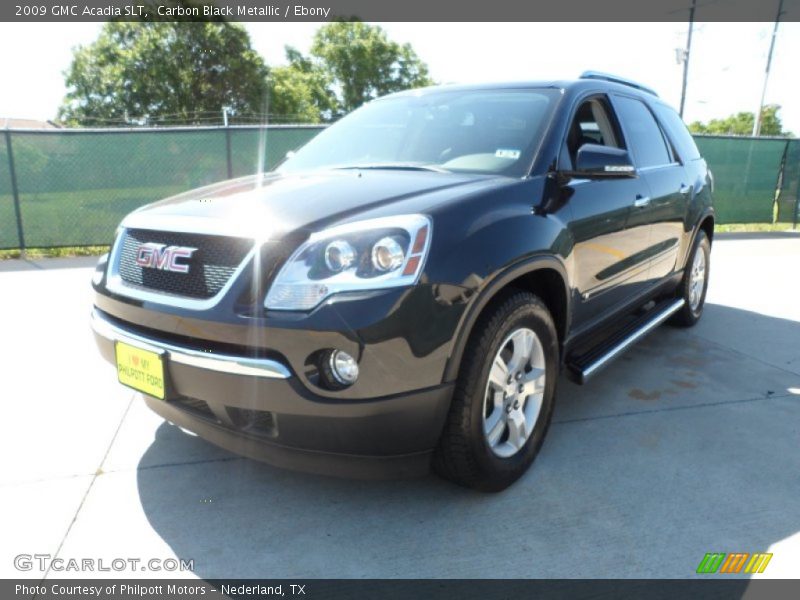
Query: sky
{"type": "Point", "coordinates": [726, 71]}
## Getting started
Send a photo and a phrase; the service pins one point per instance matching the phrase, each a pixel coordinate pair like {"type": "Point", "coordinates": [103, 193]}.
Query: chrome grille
{"type": "Point", "coordinates": [210, 267]}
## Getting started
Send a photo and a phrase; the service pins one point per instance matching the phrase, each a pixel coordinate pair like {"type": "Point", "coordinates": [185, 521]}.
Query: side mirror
{"type": "Point", "coordinates": [596, 161]}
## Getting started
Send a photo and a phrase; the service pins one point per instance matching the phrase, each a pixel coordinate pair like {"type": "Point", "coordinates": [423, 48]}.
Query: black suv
{"type": "Point", "coordinates": [405, 289]}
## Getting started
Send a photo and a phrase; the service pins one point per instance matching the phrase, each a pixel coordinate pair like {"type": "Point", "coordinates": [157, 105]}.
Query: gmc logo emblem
{"type": "Point", "coordinates": [163, 257]}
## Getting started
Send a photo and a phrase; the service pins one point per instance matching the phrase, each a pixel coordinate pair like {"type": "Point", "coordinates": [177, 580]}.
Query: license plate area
{"type": "Point", "coordinates": [141, 369]}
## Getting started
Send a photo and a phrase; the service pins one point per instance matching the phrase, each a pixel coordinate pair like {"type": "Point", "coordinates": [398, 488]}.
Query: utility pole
{"type": "Point", "coordinates": [757, 122]}
{"type": "Point", "coordinates": [686, 55]}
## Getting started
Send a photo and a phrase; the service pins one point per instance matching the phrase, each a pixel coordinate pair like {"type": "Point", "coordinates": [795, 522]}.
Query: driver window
{"type": "Point", "coordinates": [591, 125]}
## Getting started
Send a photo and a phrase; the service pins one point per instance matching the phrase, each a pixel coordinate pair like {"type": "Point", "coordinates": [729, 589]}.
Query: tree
{"type": "Point", "coordinates": [177, 71]}
{"type": "Point", "coordinates": [363, 63]}
{"type": "Point", "coordinates": [300, 91]}
{"type": "Point", "coordinates": [742, 123]}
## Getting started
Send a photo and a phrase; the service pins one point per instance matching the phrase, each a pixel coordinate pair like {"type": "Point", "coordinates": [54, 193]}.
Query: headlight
{"type": "Point", "coordinates": [387, 254]}
{"type": "Point", "coordinates": [339, 255]}
{"type": "Point", "coordinates": [366, 255]}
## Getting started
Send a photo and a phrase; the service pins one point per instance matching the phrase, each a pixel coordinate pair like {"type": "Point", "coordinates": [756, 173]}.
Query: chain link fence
{"type": "Point", "coordinates": [72, 187]}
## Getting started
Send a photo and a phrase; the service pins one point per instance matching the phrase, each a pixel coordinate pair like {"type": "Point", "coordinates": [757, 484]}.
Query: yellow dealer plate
{"type": "Point", "coordinates": [142, 370]}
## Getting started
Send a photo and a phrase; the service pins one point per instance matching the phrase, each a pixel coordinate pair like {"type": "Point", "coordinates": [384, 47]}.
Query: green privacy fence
{"type": "Point", "coordinates": [789, 195]}
{"type": "Point", "coordinates": [751, 177]}
{"type": "Point", "coordinates": [72, 187]}
{"type": "Point", "coordinates": [8, 223]}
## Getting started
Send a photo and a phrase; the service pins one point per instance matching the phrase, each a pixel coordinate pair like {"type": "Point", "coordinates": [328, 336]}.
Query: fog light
{"type": "Point", "coordinates": [343, 368]}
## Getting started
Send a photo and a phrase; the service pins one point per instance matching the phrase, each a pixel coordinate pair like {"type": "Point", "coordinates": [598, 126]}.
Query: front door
{"type": "Point", "coordinates": [610, 239]}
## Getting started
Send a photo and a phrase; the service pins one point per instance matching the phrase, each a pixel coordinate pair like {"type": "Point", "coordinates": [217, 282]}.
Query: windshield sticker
{"type": "Point", "coordinates": [507, 153]}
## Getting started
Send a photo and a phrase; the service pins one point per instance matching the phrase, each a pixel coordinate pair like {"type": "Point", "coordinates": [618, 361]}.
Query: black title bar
{"type": "Point", "coordinates": [399, 589]}
{"type": "Point", "coordinates": [408, 10]}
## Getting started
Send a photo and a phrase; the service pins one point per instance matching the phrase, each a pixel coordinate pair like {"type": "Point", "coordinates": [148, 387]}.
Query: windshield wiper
{"type": "Point", "coordinates": [396, 167]}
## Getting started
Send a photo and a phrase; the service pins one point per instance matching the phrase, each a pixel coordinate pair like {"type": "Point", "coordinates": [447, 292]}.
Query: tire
{"type": "Point", "coordinates": [692, 310]}
{"type": "Point", "coordinates": [471, 452]}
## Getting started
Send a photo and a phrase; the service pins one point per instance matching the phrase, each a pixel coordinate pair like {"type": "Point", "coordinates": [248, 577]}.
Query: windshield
{"type": "Point", "coordinates": [474, 131]}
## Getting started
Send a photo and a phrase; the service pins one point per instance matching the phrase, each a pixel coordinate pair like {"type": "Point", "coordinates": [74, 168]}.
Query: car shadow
{"type": "Point", "coordinates": [627, 484]}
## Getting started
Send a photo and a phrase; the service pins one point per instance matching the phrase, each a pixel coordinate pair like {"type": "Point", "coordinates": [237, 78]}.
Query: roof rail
{"type": "Point", "coordinates": [615, 79]}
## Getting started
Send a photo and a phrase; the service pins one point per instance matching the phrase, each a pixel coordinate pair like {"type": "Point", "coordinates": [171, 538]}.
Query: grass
{"type": "Point", "coordinates": [55, 252]}
{"type": "Point", "coordinates": [753, 227]}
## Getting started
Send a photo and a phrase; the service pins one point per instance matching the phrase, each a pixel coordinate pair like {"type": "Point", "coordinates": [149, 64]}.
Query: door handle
{"type": "Point", "coordinates": [641, 201]}
{"type": "Point", "coordinates": [685, 189]}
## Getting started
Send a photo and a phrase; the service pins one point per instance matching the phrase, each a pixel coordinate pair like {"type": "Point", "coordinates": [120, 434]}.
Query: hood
{"type": "Point", "coordinates": [270, 205]}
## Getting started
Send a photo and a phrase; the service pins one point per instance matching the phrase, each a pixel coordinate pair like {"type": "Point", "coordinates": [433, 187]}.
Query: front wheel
{"type": "Point", "coordinates": [694, 285]}
{"type": "Point", "coordinates": [504, 396]}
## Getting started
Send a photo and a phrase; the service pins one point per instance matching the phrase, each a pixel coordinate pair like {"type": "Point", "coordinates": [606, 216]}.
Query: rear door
{"type": "Point", "coordinates": [695, 172]}
{"type": "Point", "coordinates": [664, 209]}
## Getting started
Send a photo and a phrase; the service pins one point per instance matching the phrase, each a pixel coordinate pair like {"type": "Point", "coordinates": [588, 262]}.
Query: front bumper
{"type": "Point", "coordinates": [259, 408]}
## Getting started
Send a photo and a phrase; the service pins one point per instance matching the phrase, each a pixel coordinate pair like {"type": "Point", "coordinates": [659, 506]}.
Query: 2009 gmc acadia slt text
{"type": "Point", "coordinates": [404, 290]}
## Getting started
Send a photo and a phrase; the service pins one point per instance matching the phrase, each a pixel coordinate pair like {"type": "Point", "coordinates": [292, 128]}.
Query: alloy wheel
{"type": "Point", "coordinates": [514, 393]}
{"type": "Point", "coordinates": [697, 279]}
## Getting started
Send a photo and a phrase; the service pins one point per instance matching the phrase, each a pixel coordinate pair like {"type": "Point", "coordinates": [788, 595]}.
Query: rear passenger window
{"type": "Point", "coordinates": [677, 132]}
{"type": "Point", "coordinates": [643, 134]}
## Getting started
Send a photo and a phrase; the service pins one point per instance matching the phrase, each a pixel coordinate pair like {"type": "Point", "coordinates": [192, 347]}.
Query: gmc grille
{"type": "Point", "coordinates": [210, 267]}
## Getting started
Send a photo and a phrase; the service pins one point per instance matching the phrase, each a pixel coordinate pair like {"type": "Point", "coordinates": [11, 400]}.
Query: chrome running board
{"type": "Point", "coordinates": [585, 366]}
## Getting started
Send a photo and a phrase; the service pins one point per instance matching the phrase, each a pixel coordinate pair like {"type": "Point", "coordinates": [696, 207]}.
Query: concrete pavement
{"type": "Point", "coordinates": [688, 444]}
